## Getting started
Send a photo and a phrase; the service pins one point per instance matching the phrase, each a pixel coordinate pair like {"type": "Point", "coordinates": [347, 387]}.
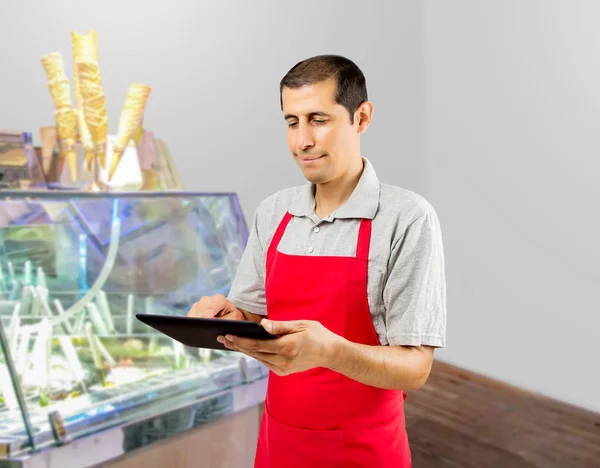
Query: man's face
{"type": "Point", "coordinates": [319, 134]}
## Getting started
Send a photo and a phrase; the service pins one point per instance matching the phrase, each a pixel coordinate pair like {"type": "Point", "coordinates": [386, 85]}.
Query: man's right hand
{"type": "Point", "coordinates": [216, 307]}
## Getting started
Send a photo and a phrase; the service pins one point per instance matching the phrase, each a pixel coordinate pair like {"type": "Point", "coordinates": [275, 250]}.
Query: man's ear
{"type": "Point", "coordinates": [363, 116]}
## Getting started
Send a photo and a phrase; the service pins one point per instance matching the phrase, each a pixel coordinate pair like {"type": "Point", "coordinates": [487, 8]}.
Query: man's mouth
{"type": "Point", "coordinates": [311, 158]}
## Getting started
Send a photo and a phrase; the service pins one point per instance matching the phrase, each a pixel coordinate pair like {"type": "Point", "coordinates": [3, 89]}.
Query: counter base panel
{"type": "Point", "coordinates": [217, 421]}
{"type": "Point", "coordinates": [227, 442]}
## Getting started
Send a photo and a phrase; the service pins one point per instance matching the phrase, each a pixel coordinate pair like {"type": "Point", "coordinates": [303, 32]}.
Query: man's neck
{"type": "Point", "coordinates": [331, 195]}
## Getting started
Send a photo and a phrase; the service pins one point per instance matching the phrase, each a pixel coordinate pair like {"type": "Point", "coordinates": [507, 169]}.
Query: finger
{"type": "Point", "coordinates": [215, 305]}
{"type": "Point", "coordinates": [282, 327]}
{"type": "Point", "coordinates": [201, 310]}
{"type": "Point", "coordinates": [217, 302]}
{"type": "Point", "coordinates": [209, 307]}
{"type": "Point", "coordinates": [259, 346]}
{"type": "Point", "coordinates": [196, 309]}
{"type": "Point", "coordinates": [222, 306]}
{"type": "Point", "coordinates": [272, 361]}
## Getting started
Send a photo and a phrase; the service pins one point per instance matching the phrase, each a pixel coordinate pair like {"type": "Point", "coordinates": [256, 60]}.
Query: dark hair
{"type": "Point", "coordinates": [351, 84]}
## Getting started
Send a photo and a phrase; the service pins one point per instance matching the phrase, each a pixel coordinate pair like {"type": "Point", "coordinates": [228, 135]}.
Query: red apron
{"type": "Point", "coordinates": [320, 418]}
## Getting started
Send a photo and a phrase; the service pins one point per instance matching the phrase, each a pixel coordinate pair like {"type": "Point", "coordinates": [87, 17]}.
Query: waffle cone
{"type": "Point", "coordinates": [48, 138]}
{"type": "Point", "coordinates": [84, 48]}
{"type": "Point", "coordinates": [129, 122]}
{"type": "Point", "coordinates": [86, 139]}
{"type": "Point", "coordinates": [83, 131]}
{"type": "Point", "coordinates": [53, 66]}
{"type": "Point", "coordinates": [66, 126]}
{"type": "Point", "coordinates": [94, 106]}
{"type": "Point", "coordinates": [60, 92]}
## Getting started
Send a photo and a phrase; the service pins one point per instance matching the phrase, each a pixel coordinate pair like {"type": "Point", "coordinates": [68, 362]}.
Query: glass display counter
{"type": "Point", "coordinates": [75, 268]}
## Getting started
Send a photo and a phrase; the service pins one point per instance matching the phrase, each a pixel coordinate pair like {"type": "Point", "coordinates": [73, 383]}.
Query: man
{"type": "Point", "coordinates": [350, 272]}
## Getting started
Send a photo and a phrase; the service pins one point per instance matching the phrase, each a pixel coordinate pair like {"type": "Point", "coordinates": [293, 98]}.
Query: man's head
{"type": "Point", "coordinates": [325, 104]}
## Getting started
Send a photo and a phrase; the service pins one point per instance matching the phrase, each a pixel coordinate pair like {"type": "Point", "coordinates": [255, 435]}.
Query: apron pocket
{"type": "Point", "coordinates": [287, 446]}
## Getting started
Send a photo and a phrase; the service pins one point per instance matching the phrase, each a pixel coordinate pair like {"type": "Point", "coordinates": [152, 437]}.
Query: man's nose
{"type": "Point", "coordinates": [304, 138]}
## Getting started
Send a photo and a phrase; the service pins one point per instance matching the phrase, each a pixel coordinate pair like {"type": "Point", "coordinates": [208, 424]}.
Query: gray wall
{"type": "Point", "coordinates": [488, 109]}
{"type": "Point", "coordinates": [215, 69]}
{"type": "Point", "coordinates": [513, 145]}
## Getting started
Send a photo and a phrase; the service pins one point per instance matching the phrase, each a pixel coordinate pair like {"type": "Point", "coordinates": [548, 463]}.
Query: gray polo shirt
{"type": "Point", "coordinates": [406, 278]}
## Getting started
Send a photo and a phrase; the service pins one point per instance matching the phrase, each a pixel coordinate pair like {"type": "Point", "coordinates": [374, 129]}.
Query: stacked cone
{"type": "Point", "coordinates": [88, 120]}
{"type": "Point", "coordinates": [94, 106]}
{"type": "Point", "coordinates": [84, 48]}
{"type": "Point", "coordinates": [64, 116]}
{"type": "Point", "coordinates": [130, 122]}
{"type": "Point", "coordinates": [89, 95]}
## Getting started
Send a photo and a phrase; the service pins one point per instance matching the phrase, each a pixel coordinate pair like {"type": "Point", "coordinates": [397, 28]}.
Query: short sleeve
{"type": "Point", "coordinates": [248, 286]}
{"type": "Point", "coordinates": [414, 293]}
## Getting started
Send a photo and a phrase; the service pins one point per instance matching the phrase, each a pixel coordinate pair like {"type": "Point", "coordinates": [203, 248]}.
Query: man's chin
{"type": "Point", "coordinates": [314, 177]}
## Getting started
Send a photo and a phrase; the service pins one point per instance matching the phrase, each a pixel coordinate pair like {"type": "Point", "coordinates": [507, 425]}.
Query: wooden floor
{"type": "Point", "coordinates": [460, 419]}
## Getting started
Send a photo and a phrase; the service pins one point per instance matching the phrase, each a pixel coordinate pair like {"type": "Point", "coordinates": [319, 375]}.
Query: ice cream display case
{"type": "Point", "coordinates": [75, 268]}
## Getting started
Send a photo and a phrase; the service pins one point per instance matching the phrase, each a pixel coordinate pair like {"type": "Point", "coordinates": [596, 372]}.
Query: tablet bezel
{"type": "Point", "coordinates": [199, 332]}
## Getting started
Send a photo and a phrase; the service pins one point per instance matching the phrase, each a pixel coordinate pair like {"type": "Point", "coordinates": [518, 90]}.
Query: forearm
{"type": "Point", "coordinates": [390, 367]}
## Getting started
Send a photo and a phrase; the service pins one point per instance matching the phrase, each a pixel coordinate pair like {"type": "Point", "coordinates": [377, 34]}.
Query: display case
{"type": "Point", "coordinates": [75, 268]}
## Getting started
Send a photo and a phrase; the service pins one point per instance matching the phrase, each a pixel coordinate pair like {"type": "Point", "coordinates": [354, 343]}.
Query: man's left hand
{"type": "Point", "coordinates": [301, 345]}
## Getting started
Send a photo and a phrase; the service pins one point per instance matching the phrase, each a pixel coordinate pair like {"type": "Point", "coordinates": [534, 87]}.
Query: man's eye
{"type": "Point", "coordinates": [292, 124]}
{"type": "Point", "coordinates": [320, 121]}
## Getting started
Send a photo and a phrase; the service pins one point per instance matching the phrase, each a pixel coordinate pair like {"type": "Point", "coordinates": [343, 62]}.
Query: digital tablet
{"type": "Point", "coordinates": [203, 332]}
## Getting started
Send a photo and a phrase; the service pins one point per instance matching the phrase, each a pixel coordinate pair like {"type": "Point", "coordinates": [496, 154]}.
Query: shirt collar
{"type": "Point", "coordinates": [363, 202]}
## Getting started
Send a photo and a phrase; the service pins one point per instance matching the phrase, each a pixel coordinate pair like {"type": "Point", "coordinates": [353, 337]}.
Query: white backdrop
{"type": "Point", "coordinates": [489, 109]}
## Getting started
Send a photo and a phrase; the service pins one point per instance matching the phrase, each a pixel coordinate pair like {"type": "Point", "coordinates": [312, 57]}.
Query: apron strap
{"type": "Point", "coordinates": [364, 239]}
{"type": "Point", "coordinates": [280, 230]}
